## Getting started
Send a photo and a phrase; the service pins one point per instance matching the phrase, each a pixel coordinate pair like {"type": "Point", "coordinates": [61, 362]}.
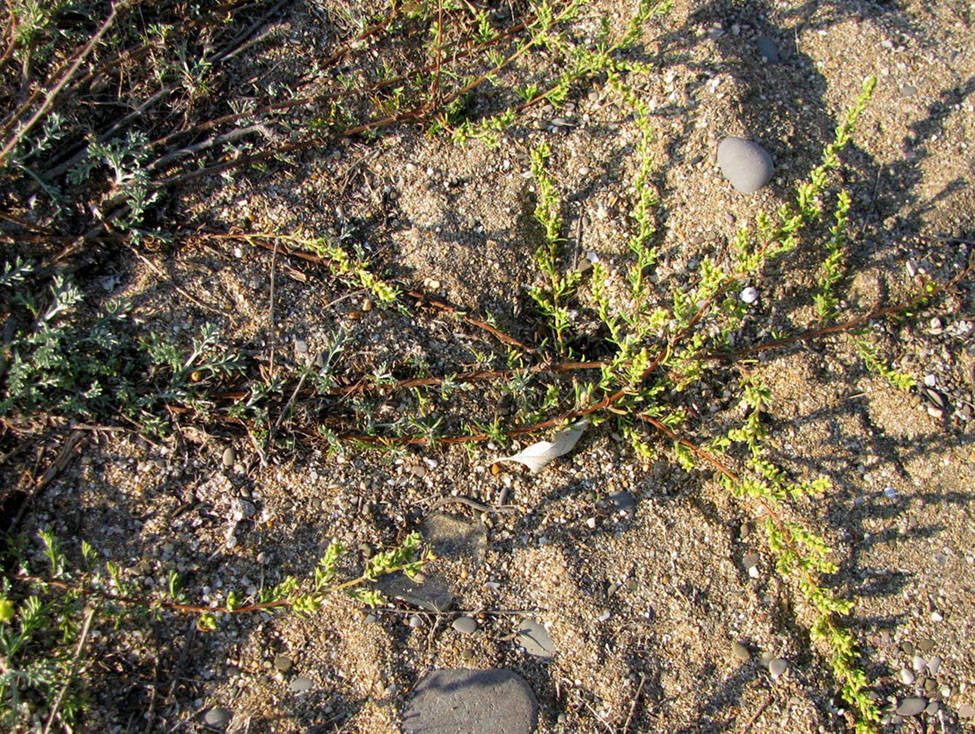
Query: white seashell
{"type": "Point", "coordinates": [537, 456]}
{"type": "Point", "coordinates": [749, 295]}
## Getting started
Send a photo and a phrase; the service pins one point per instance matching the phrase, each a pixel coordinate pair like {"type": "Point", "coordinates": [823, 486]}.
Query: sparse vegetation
{"type": "Point", "coordinates": [76, 176]}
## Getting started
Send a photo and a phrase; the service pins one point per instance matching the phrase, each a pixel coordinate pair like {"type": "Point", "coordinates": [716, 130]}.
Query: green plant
{"type": "Point", "coordinates": [71, 167]}
{"type": "Point", "coordinates": [873, 361]}
{"type": "Point", "coordinates": [825, 300]}
{"type": "Point", "coordinates": [44, 617]}
{"type": "Point", "coordinates": [560, 284]}
{"type": "Point", "coordinates": [39, 633]}
{"type": "Point", "coordinates": [63, 365]}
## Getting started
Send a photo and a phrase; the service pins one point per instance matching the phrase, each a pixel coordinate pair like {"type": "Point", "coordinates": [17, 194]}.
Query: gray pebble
{"type": "Point", "coordinates": [932, 708]}
{"type": "Point", "coordinates": [768, 50]}
{"type": "Point", "coordinates": [934, 665]}
{"type": "Point", "coordinates": [623, 502]}
{"type": "Point", "coordinates": [370, 619]}
{"type": "Point", "coordinates": [464, 625]}
{"type": "Point", "coordinates": [908, 90]}
{"type": "Point", "coordinates": [777, 668]}
{"type": "Point", "coordinates": [912, 706]}
{"type": "Point", "coordinates": [745, 164]}
{"type": "Point", "coordinates": [282, 663]}
{"type": "Point", "coordinates": [300, 684]}
{"type": "Point", "coordinates": [926, 645]}
{"type": "Point", "coordinates": [930, 685]}
{"type": "Point", "coordinates": [535, 639]}
{"type": "Point", "coordinates": [966, 712]}
{"type": "Point", "coordinates": [740, 651]}
{"type": "Point", "coordinates": [301, 346]}
{"type": "Point", "coordinates": [750, 560]}
{"type": "Point", "coordinates": [218, 717]}
{"type": "Point", "coordinates": [907, 648]}
{"type": "Point", "coordinates": [414, 621]}
{"type": "Point", "coordinates": [229, 456]}
{"type": "Point", "coordinates": [917, 662]}
{"type": "Point", "coordinates": [907, 677]}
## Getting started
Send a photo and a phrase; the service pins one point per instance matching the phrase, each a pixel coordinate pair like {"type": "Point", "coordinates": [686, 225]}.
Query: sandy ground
{"type": "Point", "coordinates": [642, 605]}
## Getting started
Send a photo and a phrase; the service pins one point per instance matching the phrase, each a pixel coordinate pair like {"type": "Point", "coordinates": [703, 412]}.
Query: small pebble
{"type": "Point", "coordinates": [218, 717]}
{"type": "Point", "coordinates": [930, 685]}
{"type": "Point", "coordinates": [740, 651]}
{"type": "Point", "coordinates": [414, 621]}
{"type": "Point", "coordinates": [911, 706]}
{"type": "Point", "coordinates": [925, 645]}
{"type": "Point", "coordinates": [753, 572]}
{"type": "Point", "coordinates": [917, 662]}
{"type": "Point", "coordinates": [966, 712]}
{"type": "Point", "coordinates": [745, 164]}
{"type": "Point", "coordinates": [907, 677]}
{"type": "Point", "coordinates": [932, 708]}
{"type": "Point", "coordinates": [464, 625]}
{"type": "Point", "coordinates": [301, 346]}
{"type": "Point", "coordinates": [534, 638]}
{"type": "Point", "coordinates": [768, 50]}
{"type": "Point", "coordinates": [282, 663]}
{"type": "Point", "coordinates": [749, 295]}
{"type": "Point", "coordinates": [750, 560]}
{"type": "Point", "coordinates": [370, 619]}
{"type": "Point", "coordinates": [623, 502]}
{"type": "Point", "coordinates": [777, 668]}
{"type": "Point", "coordinates": [229, 457]}
{"type": "Point", "coordinates": [934, 665]}
{"type": "Point", "coordinates": [936, 617]}
{"type": "Point", "coordinates": [300, 684]}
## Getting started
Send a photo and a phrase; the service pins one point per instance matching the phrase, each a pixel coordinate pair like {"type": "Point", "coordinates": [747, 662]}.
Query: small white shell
{"type": "Point", "coordinates": [749, 295]}
{"type": "Point", "coordinates": [537, 456]}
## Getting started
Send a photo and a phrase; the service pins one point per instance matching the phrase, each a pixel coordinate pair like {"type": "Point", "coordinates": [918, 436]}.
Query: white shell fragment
{"type": "Point", "coordinates": [537, 456]}
{"type": "Point", "coordinates": [749, 295]}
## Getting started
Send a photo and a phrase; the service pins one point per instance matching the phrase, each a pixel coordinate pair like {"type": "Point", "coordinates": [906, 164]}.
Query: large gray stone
{"type": "Point", "coordinates": [745, 164]}
{"type": "Point", "coordinates": [461, 701]}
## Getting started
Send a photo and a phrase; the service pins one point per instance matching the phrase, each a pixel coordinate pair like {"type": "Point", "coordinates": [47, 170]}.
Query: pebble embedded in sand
{"type": "Point", "coordinates": [745, 164]}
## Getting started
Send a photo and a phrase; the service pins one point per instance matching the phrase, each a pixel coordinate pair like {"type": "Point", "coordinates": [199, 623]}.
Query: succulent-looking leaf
{"type": "Point", "coordinates": [537, 456]}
